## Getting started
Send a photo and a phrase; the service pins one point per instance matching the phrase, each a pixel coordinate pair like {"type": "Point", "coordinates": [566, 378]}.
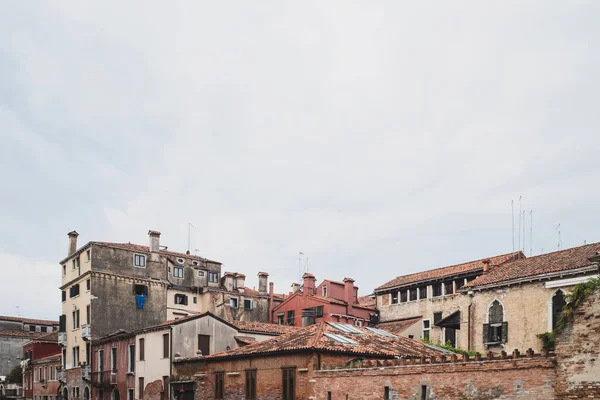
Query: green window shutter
{"type": "Point", "coordinates": [486, 333]}
{"type": "Point", "coordinates": [504, 332]}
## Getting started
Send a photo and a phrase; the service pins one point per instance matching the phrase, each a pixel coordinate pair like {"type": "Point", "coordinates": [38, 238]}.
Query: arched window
{"type": "Point", "coordinates": [496, 330]}
{"type": "Point", "coordinates": [65, 394]}
{"type": "Point", "coordinates": [86, 393]}
{"type": "Point", "coordinates": [558, 303]}
{"type": "Point", "coordinates": [115, 395]}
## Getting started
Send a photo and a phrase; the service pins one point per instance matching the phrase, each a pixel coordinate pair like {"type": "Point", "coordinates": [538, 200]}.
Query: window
{"type": "Point", "coordinates": [247, 304]}
{"type": "Point", "coordinates": [423, 292]}
{"type": "Point", "coordinates": [426, 328]}
{"type": "Point", "coordinates": [75, 356]}
{"type": "Point", "coordinates": [100, 360]}
{"type": "Point", "coordinates": [166, 391]}
{"type": "Point", "coordinates": [280, 318]}
{"type": "Point", "coordinates": [43, 329]}
{"type": "Point", "coordinates": [88, 284]}
{"type": "Point", "coordinates": [437, 289]}
{"type": "Point", "coordinates": [235, 283]}
{"type": "Point", "coordinates": [113, 360]}
{"type": "Point", "coordinates": [177, 272]}
{"type": "Point", "coordinates": [413, 294]}
{"type": "Point", "coordinates": [403, 296]}
{"type": "Point", "coordinates": [181, 299]}
{"type": "Point", "coordinates": [357, 323]}
{"type": "Point", "coordinates": [219, 380]}
{"type": "Point", "coordinates": [394, 297]}
{"type": "Point", "coordinates": [289, 383]}
{"type": "Point", "coordinates": [459, 283]}
{"type": "Point", "coordinates": [423, 392]}
{"type": "Point", "coordinates": [74, 290]}
{"type": "Point", "coordinates": [448, 288]}
{"type": "Point", "coordinates": [140, 290]}
{"type": "Point", "coordinates": [558, 303]}
{"type": "Point", "coordinates": [64, 296]}
{"type": "Point", "coordinates": [166, 345]}
{"type": "Point", "coordinates": [233, 302]}
{"type": "Point", "coordinates": [88, 319]}
{"type": "Point", "coordinates": [329, 396]}
{"type": "Point", "coordinates": [496, 330]}
{"type": "Point", "coordinates": [139, 260]}
{"type": "Point", "coordinates": [201, 273]}
{"type": "Point", "coordinates": [213, 277]}
{"type": "Point", "coordinates": [64, 267]}
{"type": "Point", "coordinates": [131, 360]}
{"type": "Point", "coordinates": [437, 317]}
{"type": "Point", "coordinates": [319, 311]}
{"type": "Point", "coordinates": [196, 263]}
{"type": "Point", "coordinates": [386, 393]}
{"type": "Point", "coordinates": [204, 344]}
{"type": "Point", "coordinates": [251, 384]}
{"type": "Point", "coordinates": [195, 300]}
{"type": "Point", "coordinates": [32, 327]}
{"type": "Point", "coordinates": [76, 319]}
{"type": "Point", "coordinates": [180, 260]}
{"type": "Point", "coordinates": [142, 355]}
{"type": "Point", "coordinates": [324, 289]}
{"type": "Point", "coordinates": [130, 394]}
{"type": "Point", "coordinates": [290, 317]}
{"type": "Point", "coordinates": [140, 388]}
{"type": "Point", "coordinates": [88, 255]}
{"type": "Point", "coordinates": [75, 263]}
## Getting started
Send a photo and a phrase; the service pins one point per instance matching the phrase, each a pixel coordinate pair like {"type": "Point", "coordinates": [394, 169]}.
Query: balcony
{"type": "Point", "coordinates": [62, 376]}
{"type": "Point", "coordinates": [86, 371]}
{"type": "Point", "coordinates": [104, 379]}
{"type": "Point", "coordinates": [62, 338]}
{"type": "Point", "coordinates": [86, 332]}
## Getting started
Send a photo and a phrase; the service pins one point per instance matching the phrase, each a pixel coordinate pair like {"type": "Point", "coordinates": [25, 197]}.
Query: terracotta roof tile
{"type": "Point", "coordinates": [557, 261]}
{"type": "Point", "coordinates": [397, 327]}
{"type": "Point", "coordinates": [28, 320]}
{"type": "Point", "coordinates": [313, 338]}
{"type": "Point", "coordinates": [21, 334]}
{"type": "Point", "coordinates": [251, 326]}
{"type": "Point", "coordinates": [448, 271]}
{"type": "Point", "coordinates": [366, 301]}
{"type": "Point", "coordinates": [244, 340]}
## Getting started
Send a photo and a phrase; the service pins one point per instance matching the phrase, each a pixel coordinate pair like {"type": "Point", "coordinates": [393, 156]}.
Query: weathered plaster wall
{"type": "Point", "coordinates": [154, 366]}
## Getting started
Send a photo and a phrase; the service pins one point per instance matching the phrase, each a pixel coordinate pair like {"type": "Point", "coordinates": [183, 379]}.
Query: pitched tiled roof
{"type": "Point", "coordinates": [397, 327]}
{"type": "Point", "coordinates": [244, 340]}
{"type": "Point", "coordinates": [18, 333]}
{"type": "Point", "coordinates": [558, 261]}
{"type": "Point", "coordinates": [366, 301]}
{"type": "Point", "coordinates": [28, 320]}
{"type": "Point", "coordinates": [49, 337]}
{"type": "Point", "coordinates": [146, 249]}
{"type": "Point", "coordinates": [258, 327]}
{"type": "Point", "coordinates": [313, 338]}
{"type": "Point", "coordinates": [449, 271]}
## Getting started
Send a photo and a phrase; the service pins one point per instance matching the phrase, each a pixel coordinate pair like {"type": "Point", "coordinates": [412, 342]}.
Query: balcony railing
{"type": "Point", "coordinates": [86, 332]}
{"type": "Point", "coordinates": [85, 372]}
{"type": "Point", "coordinates": [104, 378]}
{"type": "Point", "coordinates": [62, 376]}
{"type": "Point", "coordinates": [62, 338]}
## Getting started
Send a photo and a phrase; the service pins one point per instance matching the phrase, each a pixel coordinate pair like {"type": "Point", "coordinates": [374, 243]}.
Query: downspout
{"type": "Point", "coordinates": [470, 293]}
{"type": "Point", "coordinates": [168, 389]}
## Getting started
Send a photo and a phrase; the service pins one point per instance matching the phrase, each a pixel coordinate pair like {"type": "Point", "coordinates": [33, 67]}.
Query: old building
{"type": "Point", "coordinates": [495, 304]}
{"type": "Point", "coordinates": [138, 364]}
{"type": "Point", "coordinates": [41, 360]}
{"type": "Point", "coordinates": [284, 367]}
{"type": "Point", "coordinates": [330, 301]}
{"type": "Point", "coordinates": [14, 333]}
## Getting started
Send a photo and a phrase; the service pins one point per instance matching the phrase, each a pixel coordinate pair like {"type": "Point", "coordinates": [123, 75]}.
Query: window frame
{"type": "Point", "coordinates": [248, 301]}
{"type": "Point", "coordinates": [426, 329]}
{"type": "Point", "coordinates": [131, 358]}
{"type": "Point", "coordinates": [290, 317]}
{"type": "Point", "coordinates": [219, 384]}
{"type": "Point", "coordinates": [233, 300]}
{"type": "Point", "coordinates": [180, 269]}
{"type": "Point", "coordinates": [288, 390]}
{"type": "Point", "coordinates": [142, 349]}
{"type": "Point", "coordinates": [113, 360]}
{"type": "Point", "coordinates": [182, 297]}
{"type": "Point", "coordinates": [213, 277]}
{"type": "Point", "coordinates": [166, 345]}
{"type": "Point", "coordinates": [139, 260]}
{"type": "Point", "coordinates": [250, 384]}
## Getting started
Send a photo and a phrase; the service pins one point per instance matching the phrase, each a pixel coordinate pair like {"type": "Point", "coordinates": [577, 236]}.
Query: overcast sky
{"type": "Point", "coordinates": [378, 138]}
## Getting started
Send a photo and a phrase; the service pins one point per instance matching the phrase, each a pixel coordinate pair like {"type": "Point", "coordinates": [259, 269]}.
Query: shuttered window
{"type": "Point", "coordinates": [289, 383]}
{"type": "Point", "coordinates": [251, 384]}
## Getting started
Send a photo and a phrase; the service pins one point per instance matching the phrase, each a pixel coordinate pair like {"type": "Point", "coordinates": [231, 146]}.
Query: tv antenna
{"type": "Point", "coordinates": [530, 233]}
{"type": "Point", "coordinates": [190, 226]}
{"type": "Point", "coordinates": [512, 221]}
{"type": "Point", "coordinates": [559, 245]}
{"type": "Point", "coordinates": [300, 254]}
{"type": "Point", "coordinates": [520, 198]}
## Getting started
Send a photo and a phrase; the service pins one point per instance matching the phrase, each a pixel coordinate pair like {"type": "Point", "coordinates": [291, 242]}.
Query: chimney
{"type": "Point", "coordinates": [241, 281]}
{"type": "Point", "coordinates": [349, 294]}
{"type": "Point", "coordinates": [486, 266]}
{"type": "Point", "coordinates": [263, 278]}
{"type": "Point", "coordinates": [72, 241]}
{"type": "Point", "coordinates": [295, 287]}
{"type": "Point", "coordinates": [154, 240]}
{"type": "Point", "coordinates": [228, 278]}
{"type": "Point", "coordinates": [309, 283]}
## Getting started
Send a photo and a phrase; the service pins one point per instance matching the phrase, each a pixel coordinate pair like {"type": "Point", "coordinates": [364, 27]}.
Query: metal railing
{"type": "Point", "coordinates": [104, 378]}
{"type": "Point", "coordinates": [62, 338]}
{"type": "Point", "coordinates": [86, 332]}
{"type": "Point", "coordinates": [86, 372]}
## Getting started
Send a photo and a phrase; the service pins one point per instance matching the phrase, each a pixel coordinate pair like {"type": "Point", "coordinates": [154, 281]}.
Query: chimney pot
{"type": "Point", "coordinates": [263, 278]}
{"type": "Point", "coordinates": [154, 240]}
{"type": "Point", "coordinates": [309, 283]}
{"type": "Point", "coordinates": [349, 295]}
{"type": "Point", "coordinates": [486, 266]}
{"type": "Point", "coordinates": [72, 241]}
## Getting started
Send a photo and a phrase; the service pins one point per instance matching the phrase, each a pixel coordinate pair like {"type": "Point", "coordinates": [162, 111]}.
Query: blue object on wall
{"type": "Point", "coordinates": [140, 300]}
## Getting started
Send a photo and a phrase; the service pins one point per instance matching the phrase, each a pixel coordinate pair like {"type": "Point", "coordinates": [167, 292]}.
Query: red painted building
{"type": "Point", "coordinates": [330, 301]}
{"type": "Point", "coordinates": [113, 367]}
{"type": "Point", "coordinates": [41, 362]}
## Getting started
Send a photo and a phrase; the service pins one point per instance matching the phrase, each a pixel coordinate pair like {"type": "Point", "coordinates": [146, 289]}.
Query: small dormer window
{"type": "Point", "coordinates": [201, 273]}
{"type": "Point", "coordinates": [180, 260]}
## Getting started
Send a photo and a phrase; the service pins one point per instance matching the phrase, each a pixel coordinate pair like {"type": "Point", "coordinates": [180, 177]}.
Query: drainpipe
{"type": "Point", "coordinates": [168, 389]}
{"type": "Point", "coordinates": [470, 293]}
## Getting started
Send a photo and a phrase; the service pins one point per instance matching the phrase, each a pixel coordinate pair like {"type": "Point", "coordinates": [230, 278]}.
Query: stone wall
{"type": "Point", "coordinates": [578, 353]}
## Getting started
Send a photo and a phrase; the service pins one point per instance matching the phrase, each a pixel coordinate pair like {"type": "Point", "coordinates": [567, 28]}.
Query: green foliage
{"type": "Point", "coordinates": [574, 299]}
{"type": "Point", "coordinates": [15, 375]}
{"type": "Point", "coordinates": [448, 346]}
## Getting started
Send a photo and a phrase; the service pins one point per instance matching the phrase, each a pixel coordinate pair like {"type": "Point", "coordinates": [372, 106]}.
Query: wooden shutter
{"type": "Point", "coordinates": [142, 350]}
{"type": "Point", "coordinates": [504, 332]}
{"type": "Point", "coordinates": [486, 333]}
{"type": "Point", "coordinates": [62, 323]}
{"type": "Point", "coordinates": [166, 345]}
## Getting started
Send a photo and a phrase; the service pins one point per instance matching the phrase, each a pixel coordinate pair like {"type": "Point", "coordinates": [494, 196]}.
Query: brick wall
{"type": "Point", "coordinates": [578, 353]}
{"type": "Point", "coordinates": [524, 378]}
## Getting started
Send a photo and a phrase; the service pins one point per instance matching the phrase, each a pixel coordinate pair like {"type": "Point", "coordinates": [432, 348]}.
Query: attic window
{"type": "Point", "coordinates": [177, 272]}
{"type": "Point", "coordinates": [200, 273]}
{"type": "Point", "coordinates": [139, 260]}
{"type": "Point", "coordinates": [180, 260]}
{"type": "Point", "coordinates": [196, 263]}
{"type": "Point", "coordinates": [346, 328]}
{"type": "Point", "coordinates": [341, 339]}
{"type": "Point", "coordinates": [140, 290]}
{"type": "Point", "coordinates": [380, 332]}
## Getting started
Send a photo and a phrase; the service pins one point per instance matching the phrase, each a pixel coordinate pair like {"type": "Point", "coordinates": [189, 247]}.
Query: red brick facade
{"type": "Point", "coordinates": [40, 377]}
{"type": "Point", "coordinates": [110, 380]}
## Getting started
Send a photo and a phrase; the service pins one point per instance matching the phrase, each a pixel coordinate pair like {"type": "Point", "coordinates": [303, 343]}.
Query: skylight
{"type": "Point", "coordinates": [341, 339]}
{"type": "Point", "coordinates": [346, 328]}
{"type": "Point", "coordinates": [381, 332]}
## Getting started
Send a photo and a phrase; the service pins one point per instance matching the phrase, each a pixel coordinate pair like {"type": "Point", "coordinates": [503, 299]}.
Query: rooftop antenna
{"type": "Point", "coordinates": [512, 220]}
{"type": "Point", "coordinates": [530, 233]}
{"type": "Point", "coordinates": [520, 198]}
{"type": "Point", "coordinates": [542, 252]}
{"type": "Point", "coordinates": [300, 254]}
{"type": "Point", "coordinates": [559, 239]}
{"type": "Point", "coordinates": [523, 231]}
{"type": "Point", "coordinates": [306, 265]}
{"type": "Point", "coordinates": [189, 236]}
